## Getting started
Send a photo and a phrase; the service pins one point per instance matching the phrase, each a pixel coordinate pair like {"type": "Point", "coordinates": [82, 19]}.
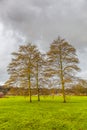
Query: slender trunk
{"type": "Point", "coordinates": [61, 77]}
{"type": "Point", "coordinates": [63, 91]}
{"type": "Point", "coordinates": [37, 84]}
{"type": "Point", "coordinates": [29, 85]}
{"type": "Point", "coordinates": [29, 80]}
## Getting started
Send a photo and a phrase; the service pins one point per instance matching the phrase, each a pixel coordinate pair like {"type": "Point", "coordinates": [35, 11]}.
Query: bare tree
{"type": "Point", "coordinates": [23, 66]}
{"type": "Point", "coordinates": [62, 61]}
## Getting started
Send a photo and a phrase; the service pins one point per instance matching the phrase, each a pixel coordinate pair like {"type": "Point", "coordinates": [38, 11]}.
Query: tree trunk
{"type": "Point", "coordinates": [63, 92]}
{"type": "Point", "coordinates": [37, 84]}
{"type": "Point", "coordinates": [62, 78]}
{"type": "Point", "coordinates": [29, 86]}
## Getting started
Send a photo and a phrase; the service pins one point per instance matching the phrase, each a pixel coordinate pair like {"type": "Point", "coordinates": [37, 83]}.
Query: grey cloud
{"type": "Point", "coordinates": [31, 15]}
{"type": "Point", "coordinates": [47, 19]}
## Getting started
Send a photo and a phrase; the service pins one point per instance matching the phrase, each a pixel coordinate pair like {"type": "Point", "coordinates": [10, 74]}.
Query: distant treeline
{"type": "Point", "coordinates": [4, 90]}
{"type": "Point", "coordinates": [15, 91]}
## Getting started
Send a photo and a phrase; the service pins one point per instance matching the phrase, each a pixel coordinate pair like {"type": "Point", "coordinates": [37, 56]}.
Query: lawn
{"type": "Point", "coordinates": [16, 113]}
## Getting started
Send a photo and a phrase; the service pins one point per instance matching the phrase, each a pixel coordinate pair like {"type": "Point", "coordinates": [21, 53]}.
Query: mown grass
{"type": "Point", "coordinates": [16, 113]}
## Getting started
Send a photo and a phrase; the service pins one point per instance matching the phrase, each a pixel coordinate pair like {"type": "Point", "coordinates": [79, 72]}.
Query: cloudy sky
{"type": "Point", "coordinates": [40, 22]}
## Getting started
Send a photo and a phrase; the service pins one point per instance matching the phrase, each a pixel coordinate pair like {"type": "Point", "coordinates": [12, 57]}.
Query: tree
{"type": "Point", "coordinates": [62, 61]}
{"type": "Point", "coordinates": [21, 69]}
{"type": "Point", "coordinates": [38, 70]}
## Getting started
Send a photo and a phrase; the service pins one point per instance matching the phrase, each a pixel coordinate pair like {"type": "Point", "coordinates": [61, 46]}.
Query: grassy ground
{"type": "Point", "coordinates": [16, 113]}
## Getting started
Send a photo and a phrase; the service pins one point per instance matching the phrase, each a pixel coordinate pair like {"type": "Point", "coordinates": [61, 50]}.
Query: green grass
{"type": "Point", "coordinates": [16, 113]}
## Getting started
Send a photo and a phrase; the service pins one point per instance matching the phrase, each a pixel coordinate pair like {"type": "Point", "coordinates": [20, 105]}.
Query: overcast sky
{"type": "Point", "coordinates": [40, 22]}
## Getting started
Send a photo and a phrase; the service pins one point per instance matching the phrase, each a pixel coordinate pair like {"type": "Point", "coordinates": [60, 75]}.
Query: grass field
{"type": "Point", "coordinates": [16, 113]}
